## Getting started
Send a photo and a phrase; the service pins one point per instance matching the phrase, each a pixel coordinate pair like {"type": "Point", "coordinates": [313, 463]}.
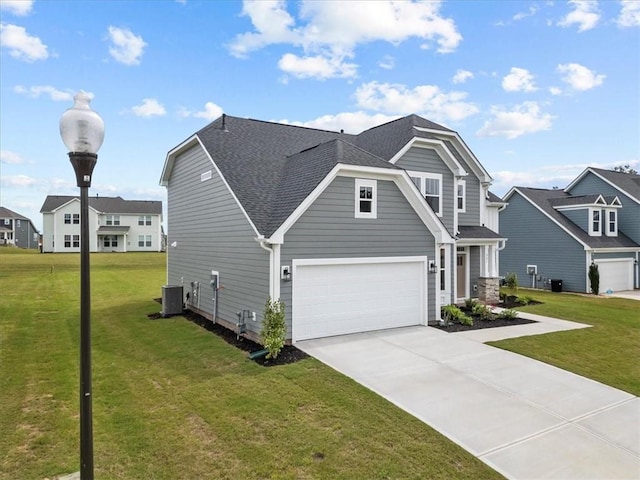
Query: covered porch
{"type": "Point", "coordinates": [112, 238]}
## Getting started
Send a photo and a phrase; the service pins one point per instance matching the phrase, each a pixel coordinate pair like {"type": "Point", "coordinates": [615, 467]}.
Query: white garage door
{"type": "Point", "coordinates": [340, 296]}
{"type": "Point", "coordinates": [615, 274]}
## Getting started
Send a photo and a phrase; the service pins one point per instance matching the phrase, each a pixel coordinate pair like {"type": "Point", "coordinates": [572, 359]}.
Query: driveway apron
{"type": "Point", "coordinates": [524, 418]}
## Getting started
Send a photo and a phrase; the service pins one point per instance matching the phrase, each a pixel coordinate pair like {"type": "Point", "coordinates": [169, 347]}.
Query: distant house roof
{"type": "Point", "coordinates": [493, 198]}
{"type": "Point", "coordinates": [627, 183]}
{"type": "Point", "coordinates": [110, 205]}
{"type": "Point", "coordinates": [582, 200]}
{"type": "Point", "coordinates": [545, 199]}
{"type": "Point", "coordinates": [6, 213]}
{"type": "Point", "coordinates": [272, 167]}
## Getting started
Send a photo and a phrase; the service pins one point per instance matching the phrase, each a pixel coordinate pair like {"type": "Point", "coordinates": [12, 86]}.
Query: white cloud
{"type": "Point", "coordinates": [585, 14]}
{"type": "Point", "coordinates": [429, 100]}
{"type": "Point", "coordinates": [211, 112]}
{"type": "Point", "coordinates": [19, 181]}
{"type": "Point", "coordinates": [324, 31]}
{"type": "Point", "coordinates": [387, 62]}
{"type": "Point", "coordinates": [579, 77]}
{"type": "Point", "coordinates": [20, 8]}
{"type": "Point", "coordinates": [126, 47]}
{"type": "Point", "coordinates": [52, 92]}
{"type": "Point", "coordinates": [555, 90]}
{"type": "Point", "coordinates": [521, 120]}
{"type": "Point", "coordinates": [11, 157]}
{"type": "Point", "coordinates": [21, 45]}
{"type": "Point", "coordinates": [318, 67]}
{"type": "Point", "coordinates": [462, 76]}
{"type": "Point", "coordinates": [519, 80]}
{"type": "Point", "coordinates": [629, 14]}
{"type": "Point", "coordinates": [150, 107]}
{"type": "Point", "coordinates": [350, 122]}
{"type": "Point", "coordinates": [520, 15]}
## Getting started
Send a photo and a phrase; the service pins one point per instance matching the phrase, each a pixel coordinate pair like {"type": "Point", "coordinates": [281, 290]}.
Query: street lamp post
{"type": "Point", "coordinates": [82, 131]}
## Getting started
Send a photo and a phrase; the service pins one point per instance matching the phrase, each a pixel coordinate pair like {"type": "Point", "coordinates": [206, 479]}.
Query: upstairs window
{"type": "Point", "coordinates": [366, 199]}
{"type": "Point", "coordinates": [67, 219]}
{"type": "Point", "coordinates": [612, 223]}
{"type": "Point", "coordinates": [76, 218]}
{"type": "Point", "coordinates": [595, 223]}
{"type": "Point", "coordinates": [144, 220]}
{"type": "Point", "coordinates": [461, 197]}
{"type": "Point", "coordinates": [113, 219]}
{"type": "Point", "coordinates": [430, 186]}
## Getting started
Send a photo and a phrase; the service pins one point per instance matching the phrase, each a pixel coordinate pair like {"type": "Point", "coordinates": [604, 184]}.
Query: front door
{"type": "Point", "coordinates": [461, 275]}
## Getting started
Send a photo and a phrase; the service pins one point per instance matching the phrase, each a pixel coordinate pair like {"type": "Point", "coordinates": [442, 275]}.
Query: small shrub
{"type": "Point", "coordinates": [452, 313]}
{"type": "Point", "coordinates": [482, 311]}
{"type": "Point", "coordinates": [274, 327]}
{"type": "Point", "coordinates": [503, 295]}
{"type": "Point", "coordinates": [594, 278]}
{"type": "Point", "coordinates": [524, 300]}
{"type": "Point", "coordinates": [511, 280]}
{"type": "Point", "coordinates": [470, 304]}
{"type": "Point", "coordinates": [508, 314]}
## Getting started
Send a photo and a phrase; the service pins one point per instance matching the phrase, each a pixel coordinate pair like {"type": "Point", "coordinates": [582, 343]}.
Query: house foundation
{"type": "Point", "coordinates": [489, 290]}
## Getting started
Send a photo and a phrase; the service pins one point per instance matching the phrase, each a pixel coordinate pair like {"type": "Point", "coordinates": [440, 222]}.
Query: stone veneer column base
{"type": "Point", "coordinates": [489, 290]}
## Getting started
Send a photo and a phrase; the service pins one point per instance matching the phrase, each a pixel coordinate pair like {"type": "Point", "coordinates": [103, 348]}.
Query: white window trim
{"type": "Point", "coordinates": [422, 187]}
{"type": "Point", "coordinates": [607, 223]}
{"type": "Point", "coordinates": [361, 182]}
{"type": "Point", "coordinates": [463, 184]}
{"type": "Point", "coordinates": [592, 231]}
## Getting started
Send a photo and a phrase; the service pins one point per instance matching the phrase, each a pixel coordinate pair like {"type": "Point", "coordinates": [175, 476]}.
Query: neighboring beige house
{"type": "Point", "coordinates": [115, 225]}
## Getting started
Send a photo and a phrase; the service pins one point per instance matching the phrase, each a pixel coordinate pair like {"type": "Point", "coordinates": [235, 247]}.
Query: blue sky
{"type": "Point", "coordinates": [538, 90]}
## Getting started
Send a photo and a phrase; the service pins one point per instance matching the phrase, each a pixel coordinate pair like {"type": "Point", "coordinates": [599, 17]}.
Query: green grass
{"type": "Point", "coordinates": [173, 401]}
{"type": "Point", "coordinates": [608, 352]}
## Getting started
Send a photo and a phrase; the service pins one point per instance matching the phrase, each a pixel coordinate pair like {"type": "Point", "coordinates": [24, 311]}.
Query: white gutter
{"type": "Point", "coordinates": [274, 266]}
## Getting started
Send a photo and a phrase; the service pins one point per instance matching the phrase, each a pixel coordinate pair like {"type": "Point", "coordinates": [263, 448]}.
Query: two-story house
{"type": "Point", "coordinates": [17, 230]}
{"type": "Point", "coordinates": [115, 224]}
{"type": "Point", "coordinates": [558, 234]}
{"type": "Point", "coordinates": [352, 232]}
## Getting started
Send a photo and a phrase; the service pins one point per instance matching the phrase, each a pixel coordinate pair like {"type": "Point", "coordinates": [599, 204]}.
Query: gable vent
{"type": "Point", "coordinates": [205, 176]}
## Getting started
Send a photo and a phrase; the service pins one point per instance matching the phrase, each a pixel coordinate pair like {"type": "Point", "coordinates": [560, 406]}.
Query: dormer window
{"type": "Point", "coordinates": [595, 225]}
{"type": "Point", "coordinates": [612, 223]}
{"type": "Point", "coordinates": [366, 198]}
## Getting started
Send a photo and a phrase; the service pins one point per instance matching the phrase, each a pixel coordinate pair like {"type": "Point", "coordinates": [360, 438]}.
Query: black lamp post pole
{"type": "Point", "coordinates": [83, 164]}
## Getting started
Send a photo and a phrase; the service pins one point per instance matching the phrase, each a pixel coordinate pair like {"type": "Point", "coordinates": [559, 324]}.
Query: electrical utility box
{"type": "Point", "coordinates": [171, 300]}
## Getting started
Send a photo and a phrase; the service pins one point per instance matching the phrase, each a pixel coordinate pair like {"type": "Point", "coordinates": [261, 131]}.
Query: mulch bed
{"type": "Point", "coordinates": [288, 354]}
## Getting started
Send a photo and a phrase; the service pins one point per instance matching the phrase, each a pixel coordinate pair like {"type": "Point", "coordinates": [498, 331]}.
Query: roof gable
{"type": "Point", "coordinates": [544, 200]}
{"type": "Point", "coordinates": [626, 183]}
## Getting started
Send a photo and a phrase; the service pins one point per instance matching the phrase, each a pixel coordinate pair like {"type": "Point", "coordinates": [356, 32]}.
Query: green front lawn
{"type": "Point", "coordinates": [173, 401]}
{"type": "Point", "coordinates": [608, 352]}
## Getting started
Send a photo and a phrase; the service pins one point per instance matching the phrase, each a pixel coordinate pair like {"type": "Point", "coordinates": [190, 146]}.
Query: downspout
{"type": "Point", "coordinates": [274, 261]}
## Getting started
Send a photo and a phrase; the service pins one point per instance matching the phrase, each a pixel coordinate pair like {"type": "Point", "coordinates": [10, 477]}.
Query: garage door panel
{"type": "Point", "coordinates": [346, 298]}
{"type": "Point", "coordinates": [615, 275]}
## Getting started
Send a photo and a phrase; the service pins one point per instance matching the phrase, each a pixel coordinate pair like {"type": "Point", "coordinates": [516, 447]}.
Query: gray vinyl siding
{"type": "Point", "coordinates": [471, 215]}
{"type": "Point", "coordinates": [534, 239]}
{"type": "Point", "coordinates": [602, 256]}
{"type": "Point", "coordinates": [328, 229]}
{"type": "Point", "coordinates": [212, 233]}
{"type": "Point", "coordinates": [427, 160]}
{"type": "Point", "coordinates": [628, 215]}
{"type": "Point", "coordinates": [579, 217]}
{"type": "Point", "coordinates": [25, 234]}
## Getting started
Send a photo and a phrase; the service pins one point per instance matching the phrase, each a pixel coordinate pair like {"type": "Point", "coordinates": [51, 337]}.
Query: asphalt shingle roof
{"type": "Point", "coordinates": [6, 213]}
{"type": "Point", "coordinates": [112, 205]}
{"type": "Point", "coordinates": [477, 232]}
{"type": "Point", "coordinates": [580, 200]}
{"type": "Point", "coordinates": [545, 200]}
{"type": "Point", "coordinates": [628, 182]}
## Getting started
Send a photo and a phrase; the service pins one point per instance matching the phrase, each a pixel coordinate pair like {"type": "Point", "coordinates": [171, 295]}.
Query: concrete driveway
{"type": "Point", "coordinates": [524, 418]}
{"type": "Point", "coordinates": [630, 294]}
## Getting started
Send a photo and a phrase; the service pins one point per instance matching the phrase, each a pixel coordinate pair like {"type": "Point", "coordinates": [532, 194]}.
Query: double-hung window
{"type": "Point", "coordinates": [76, 241]}
{"type": "Point", "coordinates": [430, 186]}
{"type": "Point", "coordinates": [144, 220]}
{"type": "Point", "coordinates": [141, 240]}
{"type": "Point", "coordinates": [67, 219]}
{"type": "Point", "coordinates": [67, 241]}
{"type": "Point", "coordinates": [76, 218]}
{"type": "Point", "coordinates": [595, 222]}
{"type": "Point", "coordinates": [461, 197]}
{"type": "Point", "coordinates": [113, 219]}
{"type": "Point", "coordinates": [366, 198]}
{"type": "Point", "coordinates": [612, 223]}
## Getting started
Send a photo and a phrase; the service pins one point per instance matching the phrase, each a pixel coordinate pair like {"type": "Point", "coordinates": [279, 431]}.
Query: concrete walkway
{"type": "Point", "coordinates": [524, 418]}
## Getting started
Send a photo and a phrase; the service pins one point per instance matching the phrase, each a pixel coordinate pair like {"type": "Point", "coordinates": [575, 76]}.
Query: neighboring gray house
{"type": "Point", "coordinates": [557, 234]}
{"type": "Point", "coordinates": [17, 230]}
{"type": "Point", "coordinates": [352, 232]}
{"type": "Point", "coordinates": [115, 225]}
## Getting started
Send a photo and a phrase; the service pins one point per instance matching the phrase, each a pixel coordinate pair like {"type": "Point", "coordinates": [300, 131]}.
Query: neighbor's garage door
{"type": "Point", "coordinates": [615, 274]}
{"type": "Point", "coordinates": [336, 297]}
